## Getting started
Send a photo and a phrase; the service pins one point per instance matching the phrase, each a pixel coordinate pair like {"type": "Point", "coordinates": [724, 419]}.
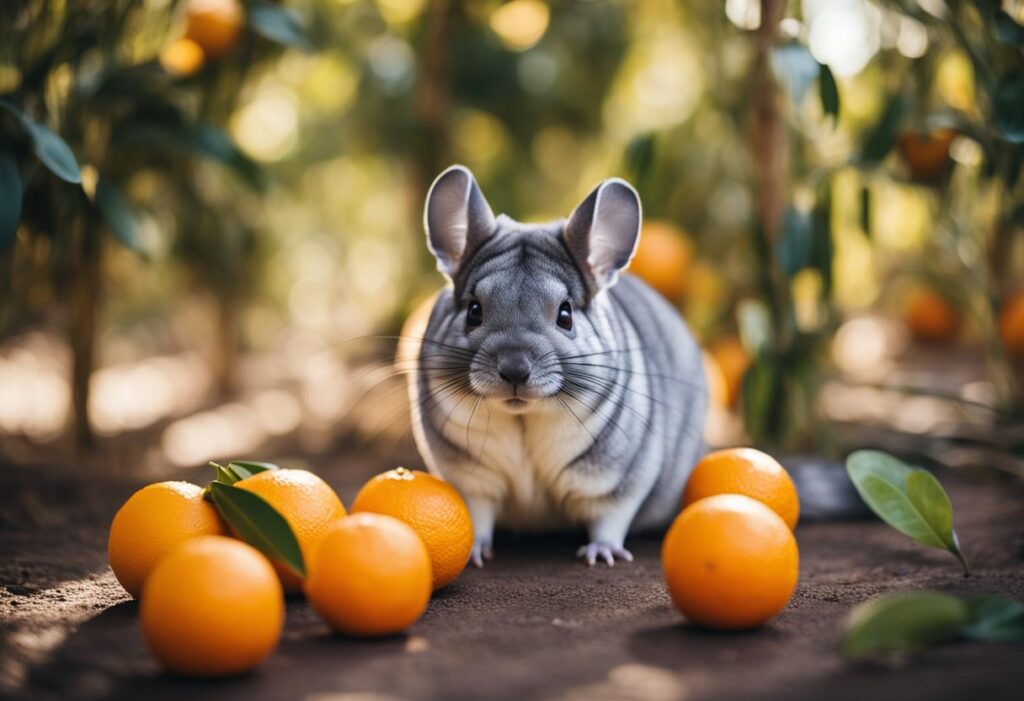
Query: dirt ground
{"type": "Point", "coordinates": [535, 623]}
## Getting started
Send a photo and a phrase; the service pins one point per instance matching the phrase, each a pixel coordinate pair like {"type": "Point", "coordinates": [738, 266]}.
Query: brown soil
{"type": "Point", "coordinates": [535, 623]}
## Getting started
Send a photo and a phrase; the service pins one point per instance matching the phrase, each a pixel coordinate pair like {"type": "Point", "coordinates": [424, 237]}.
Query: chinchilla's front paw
{"type": "Point", "coordinates": [482, 550]}
{"type": "Point", "coordinates": [592, 552]}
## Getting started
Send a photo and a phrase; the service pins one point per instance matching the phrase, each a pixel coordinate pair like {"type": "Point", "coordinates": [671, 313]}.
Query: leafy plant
{"type": "Point", "coordinates": [911, 500]}
{"type": "Point", "coordinates": [909, 621]}
{"type": "Point", "coordinates": [254, 520]}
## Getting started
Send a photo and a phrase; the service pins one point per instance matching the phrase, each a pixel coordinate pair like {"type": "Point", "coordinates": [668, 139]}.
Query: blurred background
{"type": "Point", "coordinates": [210, 210]}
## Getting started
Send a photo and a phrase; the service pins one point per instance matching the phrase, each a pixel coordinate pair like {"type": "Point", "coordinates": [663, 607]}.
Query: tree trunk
{"type": "Point", "coordinates": [83, 319]}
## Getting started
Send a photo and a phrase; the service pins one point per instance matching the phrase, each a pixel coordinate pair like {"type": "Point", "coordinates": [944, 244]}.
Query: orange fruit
{"type": "Point", "coordinates": [926, 154]}
{"type": "Point", "coordinates": [370, 575]}
{"type": "Point", "coordinates": [182, 57]}
{"type": "Point", "coordinates": [930, 317]}
{"type": "Point", "coordinates": [730, 562]}
{"type": "Point", "coordinates": [662, 258]}
{"type": "Point", "coordinates": [213, 607]}
{"type": "Point", "coordinates": [745, 471]}
{"type": "Point", "coordinates": [433, 508]}
{"type": "Point", "coordinates": [214, 25]}
{"type": "Point", "coordinates": [154, 521]}
{"type": "Point", "coordinates": [1011, 324]}
{"type": "Point", "coordinates": [308, 504]}
{"type": "Point", "coordinates": [732, 359]}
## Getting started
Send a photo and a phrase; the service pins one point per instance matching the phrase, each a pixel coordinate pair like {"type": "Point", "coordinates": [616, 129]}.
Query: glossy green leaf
{"type": "Point", "coordinates": [10, 199]}
{"type": "Point", "coordinates": [225, 475]}
{"type": "Point", "coordinates": [259, 524]}
{"type": "Point", "coordinates": [1008, 30]}
{"type": "Point", "coordinates": [247, 468]}
{"type": "Point", "coordinates": [278, 24]}
{"type": "Point", "coordinates": [900, 623]}
{"type": "Point", "coordinates": [828, 92]}
{"type": "Point", "coordinates": [49, 148]}
{"type": "Point", "coordinates": [996, 618]}
{"type": "Point", "coordinates": [910, 500]}
{"type": "Point", "coordinates": [119, 214]}
{"type": "Point", "coordinates": [865, 210]}
{"type": "Point", "coordinates": [882, 136]}
{"type": "Point", "coordinates": [1006, 103]}
{"type": "Point", "coordinates": [796, 241]}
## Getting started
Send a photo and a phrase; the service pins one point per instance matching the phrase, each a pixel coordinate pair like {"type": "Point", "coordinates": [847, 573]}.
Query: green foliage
{"type": "Point", "coordinates": [828, 91]}
{"type": "Point", "coordinates": [910, 500]}
{"type": "Point", "coordinates": [905, 622]}
{"type": "Point", "coordinates": [258, 524]}
{"type": "Point", "coordinates": [10, 202]}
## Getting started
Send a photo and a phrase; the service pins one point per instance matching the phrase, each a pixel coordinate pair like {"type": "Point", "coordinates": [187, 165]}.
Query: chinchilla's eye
{"type": "Point", "coordinates": [474, 315]}
{"type": "Point", "coordinates": [565, 316]}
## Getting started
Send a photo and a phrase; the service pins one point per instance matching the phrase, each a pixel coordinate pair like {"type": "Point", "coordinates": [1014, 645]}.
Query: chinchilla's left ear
{"type": "Point", "coordinates": [457, 218]}
{"type": "Point", "coordinates": [603, 231]}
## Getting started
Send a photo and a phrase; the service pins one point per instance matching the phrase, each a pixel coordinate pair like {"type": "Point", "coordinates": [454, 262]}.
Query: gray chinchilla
{"type": "Point", "coordinates": [552, 390]}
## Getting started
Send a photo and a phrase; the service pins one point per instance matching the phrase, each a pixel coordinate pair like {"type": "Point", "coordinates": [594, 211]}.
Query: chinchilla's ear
{"type": "Point", "coordinates": [457, 218]}
{"type": "Point", "coordinates": [602, 232]}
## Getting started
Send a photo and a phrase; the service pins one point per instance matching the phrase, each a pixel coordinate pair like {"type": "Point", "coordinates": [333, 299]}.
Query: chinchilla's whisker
{"type": "Point", "coordinates": [609, 351]}
{"type": "Point", "coordinates": [607, 382]}
{"type": "Point", "coordinates": [487, 432]}
{"type": "Point", "coordinates": [656, 375]}
{"type": "Point", "coordinates": [617, 404]}
{"type": "Point", "coordinates": [565, 405]}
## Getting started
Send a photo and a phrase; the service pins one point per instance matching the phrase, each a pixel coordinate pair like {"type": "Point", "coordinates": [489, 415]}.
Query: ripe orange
{"type": "Point", "coordinates": [730, 562]}
{"type": "Point", "coordinates": [213, 24]}
{"type": "Point", "coordinates": [732, 359]}
{"type": "Point", "coordinates": [1011, 324]}
{"type": "Point", "coordinates": [213, 607]}
{"type": "Point", "coordinates": [182, 57]}
{"type": "Point", "coordinates": [153, 522]}
{"type": "Point", "coordinates": [370, 575]}
{"type": "Point", "coordinates": [308, 504]}
{"type": "Point", "coordinates": [662, 258]}
{"type": "Point", "coordinates": [930, 317]}
{"type": "Point", "coordinates": [745, 471]}
{"type": "Point", "coordinates": [926, 154]}
{"type": "Point", "coordinates": [432, 507]}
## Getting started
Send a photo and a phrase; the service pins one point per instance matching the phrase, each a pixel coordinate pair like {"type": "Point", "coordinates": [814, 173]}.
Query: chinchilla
{"type": "Point", "coordinates": [551, 388]}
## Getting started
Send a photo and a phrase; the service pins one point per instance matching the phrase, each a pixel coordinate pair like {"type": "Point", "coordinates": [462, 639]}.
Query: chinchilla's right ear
{"type": "Point", "coordinates": [457, 218]}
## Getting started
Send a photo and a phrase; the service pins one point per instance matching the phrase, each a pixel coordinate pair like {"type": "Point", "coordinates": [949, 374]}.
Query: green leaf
{"type": "Point", "coordinates": [865, 210]}
{"type": "Point", "coordinates": [247, 468]}
{"type": "Point", "coordinates": [882, 136]}
{"type": "Point", "coordinates": [796, 242]}
{"type": "Point", "coordinates": [259, 524]}
{"type": "Point", "coordinates": [1006, 103]}
{"type": "Point", "coordinates": [225, 475]}
{"type": "Point", "coordinates": [640, 157]}
{"type": "Point", "coordinates": [10, 199]}
{"type": "Point", "coordinates": [828, 92]}
{"type": "Point", "coordinates": [279, 25]}
{"type": "Point", "coordinates": [900, 623]}
{"type": "Point", "coordinates": [208, 140]}
{"type": "Point", "coordinates": [996, 618]}
{"type": "Point", "coordinates": [119, 215]}
{"type": "Point", "coordinates": [52, 150]}
{"type": "Point", "coordinates": [1008, 30]}
{"type": "Point", "coordinates": [910, 500]}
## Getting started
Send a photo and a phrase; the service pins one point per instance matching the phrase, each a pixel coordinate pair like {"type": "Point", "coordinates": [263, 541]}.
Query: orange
{"type": "Point", "coordinates": [745, 471]}
{"type": "Point", "coordinates": [153, 522]}
{"type": "Point", "coordinates": [730, 562]}
{"type": "Point", "coordinates": [370, 575]}
{"type": "Point", "coordinates": [662, 258]}
{"type": "Point", "coordinates": [307, 503]}
{"type": "Point", "coordinates": [1011, 324]}
{"type": "Point", "coordinates": [182, 57]}
{"type": "Point", "coordinates": [926, 154]}
{"type": "Point", "coordinates": [930, 317]}
{"type": "Point", "coordinates": [433, 508]}
{"type": "Point", "coordinates": [212, 608]}
{"type": "Point", "coordinates": [732, 359]}
{"type": "Point", "coordinates": [213, 24]}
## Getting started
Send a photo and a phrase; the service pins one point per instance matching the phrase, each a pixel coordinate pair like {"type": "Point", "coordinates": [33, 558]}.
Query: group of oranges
{"type": "Point", "coordinates": [213, 605]}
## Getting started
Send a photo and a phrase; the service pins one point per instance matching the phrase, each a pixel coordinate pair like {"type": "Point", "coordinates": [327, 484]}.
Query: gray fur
{"type": "Point", "coordinates": [609, 423]}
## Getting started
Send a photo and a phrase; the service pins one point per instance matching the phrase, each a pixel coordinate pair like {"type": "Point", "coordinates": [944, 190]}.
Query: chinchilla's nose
{"type": "Point", "coordinates": [514, 367]}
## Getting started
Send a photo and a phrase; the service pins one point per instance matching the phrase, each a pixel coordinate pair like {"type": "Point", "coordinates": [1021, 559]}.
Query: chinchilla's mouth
{"type": "Point", "coordinates": [515, 402]}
